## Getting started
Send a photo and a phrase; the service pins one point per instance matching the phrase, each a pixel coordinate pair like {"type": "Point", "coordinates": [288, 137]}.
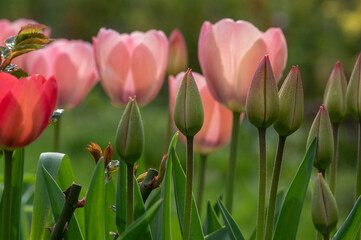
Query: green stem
{"type": "Point", "coordinates": [262, 183]}
{"type": "Point", "coordinates": [318, 235]}
{"type": "Point", "coordinates": [71, 203]}
{"type": "Point", "coordinates": [57, 136]}
{"type": "Point", "coordinates": [130, 194]}
{"type": "Point", "coordinates": [168, 133]}
{"type": "Point", "coordinates": [232, 162]}
{"type": "Point", "coordinates": [326, 237]}
{"type": "Point", "coordinates": [333, 167]}
{"type": "Point", "coordinates": [274, 187]}
{"type": "Point", "coordinates": [202, 171]}
{"type": "Point", "coordinates": [7, 199]}
{"type": "Point", "coordinates": [189, 186]}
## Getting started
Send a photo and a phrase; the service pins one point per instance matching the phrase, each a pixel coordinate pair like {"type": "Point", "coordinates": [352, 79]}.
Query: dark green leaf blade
{"type": "Point", "coordinates": [220, 234]}
{"type": "Point", "coordinates": [231, 226]}
{"type": "Point", "coordinates": [139, 209]}
{"type": "Point", "coordinates": [211, 223]}
{"type": "Point", "coordinates": [352, 224]}
{"type": "Point", "coordinates": [94, 205]}
{"type": "Point", "coordinates": [110, 196]}
{"type": "Point", "coordinates": [120, 214]}
{"type": "Point", "coordinates": [289, 217]}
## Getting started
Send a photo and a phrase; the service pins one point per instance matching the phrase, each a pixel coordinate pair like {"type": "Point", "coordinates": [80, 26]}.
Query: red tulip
{"type": "Point", "coordinates": [26, 105]}
{"type": "Point", "coordinates": [73, 65]}
{"type": "Point", "coordinates": [217, 125]}
{"type": "Point", "coordinates": [229, 53]}
{"type": "Point", "coordinates": [131, 64]}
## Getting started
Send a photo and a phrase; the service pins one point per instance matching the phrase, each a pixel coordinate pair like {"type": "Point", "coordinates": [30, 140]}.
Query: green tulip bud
{"type": "Point", "coordinates": [188, 107]}
{"type": "Point", "coordinates": [321, 129]}
{"type": "Point", "coordinates": [291, 104]}
{"type": "Point", "coordinates": [323, 207]}
{"type": "Point", "coordinates": [262, 104]}
{"type": "Point", "coordinates": [353, 93]}
{"type": "Point", "coordinates": [335, 94]}
{"type": "Point", "coordinates": [129, 142]}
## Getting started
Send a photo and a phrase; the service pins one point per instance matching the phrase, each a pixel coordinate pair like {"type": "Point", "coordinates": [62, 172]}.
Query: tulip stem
{"type": "Point", "coordinates": [189, 186]}
{"type": "Point", "coordinates": [57, 136]}
{"type": "Point", "coordinates": [274, 187]}
{"type": "Point", "coordinates": [232, 161]}
{"type": "Point", "coordinates": [202, 171]}
{"type": "Point", "coordinates": [333, 167]}
{"type": "Point", "coordinates": [7, 196]}
{"type": "Point", "coordinates": [262, 183]}
{"type": "Point", "coordinates": [326, 237]}
{"type": "Point", "coordinates": [130, 194]}
{"type": "Point", "coordinates": [168, 133]}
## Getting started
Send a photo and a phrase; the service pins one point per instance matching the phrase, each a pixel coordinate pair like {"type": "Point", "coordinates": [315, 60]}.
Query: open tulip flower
{"type": "Point", "coordinates": [229, 53]}
{"type": "Point", "coordinates": [72, 63]}
{"type": "Point", "coordinates": [217, 126]}
{"type": "Point", "coordinates": [131, 64]}
{"type": "Point", "coordinates": [26, 106]}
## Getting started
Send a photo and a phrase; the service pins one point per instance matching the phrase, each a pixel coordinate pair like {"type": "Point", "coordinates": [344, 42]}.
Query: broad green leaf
{"type": "Point", "coordinates": [94, 205]}
{"type": "Point", "coordinates": [211, 223]}
{"type": "Point", "coordinates": [18, 73]}
{"type": "Point", "coordinates": [289, 217]}
{"type": "Point", "coordinates": [137, 228]}
{"type": "Point", "coordinates": [51, 162]}
{"type": "Point", "coordinates": [179, 180]}
{"type": "Point", "coordinates": [153, 198]}
{"type": "Point", "coordinates": [16, 185]}
{"type": "Point", "coordinates": [120, 214]}
{"type": "Point", "coordinates": [139, 209]}
{"type": "Point", "coordinates": [57, 200]}
{"type": "Point", "coordinates": [110, 195]}
{"type": "Point", "coordinates": [352, 224]}
{"type": "Point", "coordinates": [162, 221]}
{"type": "Point", "coordinates": [220, 234]}
{"type": "Point", "coordinates": [31, 28]}
{"type": "Point", "coordinates": [232, 228]}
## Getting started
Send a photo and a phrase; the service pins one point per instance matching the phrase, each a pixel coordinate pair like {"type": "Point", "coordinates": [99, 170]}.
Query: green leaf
{"type": "Point", "coordinates": [220, 234]}
{"type": "Point", "coordinates": [27, 47]}
{"type": "Point", "coordinates": [162, 221]}
{"type": "Point", "coordinates": [110, 195]}
{"type": "Point", "coordinates": [18, 73]}
{"type": "Point", "coordinates": [10, 42]}
{"type": "Point", "coordinates": [16, 185]}
{"type": "Point", "coordinates": [51, 162]}
{"type": "Point", "coordinates": [31, 28]}
{"type": "Point", "coordinates": [5, 52]}
{"type": "Point", "coordinates": [32, 39]}
{"type": "Point", "coordinates": [288, 220]}
{"type": "Point", "coordinates": [120, 214]}
{"type": "Point", "coordinates": [179, 180]}
{"type": "Point", "coordinates": [21, 52]}
{"type": "Point", "coordinates": [233, 230]}
{"type": "Point", "coordinates": [94, 205]}
{"type": "Point", "coordinates": [211, 223]}
{"type": "Point", "coordinates": [57, 200]}
{"type": "Point", "coordinates": [137, 228]}
{"type": "Point", "coordinates": [352, 224]}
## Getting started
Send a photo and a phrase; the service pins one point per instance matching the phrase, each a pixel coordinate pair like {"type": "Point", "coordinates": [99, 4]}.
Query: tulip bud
{"type": "Point", "coordinates": [177, 58]}
{"type": "Point", "coordinates": [262, 104]}
{"type": "Point", "coordinates": [322, 130]}
{"type": "Point", "coordinates": [335, 94]}
{"type": "Point", "coordinates": [108, 154]}
{"type": "Point", "coordinates": [95, 151]}
{"type": "Point", "coordinates": [353, 96]}
{"type": "Point", "coordinates": [188, 107]}
{"type": "Point", "coordinates": [129, 140]}
{"type": "Point", "coordinates": [291, 104]}
{"type": "Point", "coordinates": [324, 207]}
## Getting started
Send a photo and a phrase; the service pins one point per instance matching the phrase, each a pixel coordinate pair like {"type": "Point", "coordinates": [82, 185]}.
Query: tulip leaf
{"type": "Point", "coordinates": [211, 223]}
{"type": "Point", "coordinates": [220, 234]}
{"type": "Point", "coordinates": [110, 196]}
{"type": "Point", "coordinates": [120, 214]}
{"type": "Point", "coordinates": [94, 205]}
{"type": "Point", "coordinates": [16, 185]}
{"type": "Point", "coordinates": [57, 200]}
{"type": "Point", "coordinates": [352, 224]}
{"type": "Point", "coordinates": [136, 229]}
{"type": "Point", "coordinates": [179, 179]}
{"type": "Point", "coordinates": [162, 220]}
{"type": "Point", "coordinates": [232, 228]}
{"type": "Point", "coordinates": [52, 162]}
{"type": "Point", "coordinates": [289, 217]}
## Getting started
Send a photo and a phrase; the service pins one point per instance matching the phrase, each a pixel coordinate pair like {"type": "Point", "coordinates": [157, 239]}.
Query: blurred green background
{"type": "Point", "coordinates": [318, 33]}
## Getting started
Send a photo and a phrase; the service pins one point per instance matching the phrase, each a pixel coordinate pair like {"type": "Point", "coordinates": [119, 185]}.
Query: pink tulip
{"type": "Point", "coordinates": [26, 105]}
{"type": "Point", "coordinates": [131, 64]}
{"type": "Point", "coordinates": [229, 53]}
{"type": "Point", "coordinates": [178, 56]}
{"type": "Point", "coordinates": [72, 63]}
{"type": "Point", "coordinates": [217, 126]}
